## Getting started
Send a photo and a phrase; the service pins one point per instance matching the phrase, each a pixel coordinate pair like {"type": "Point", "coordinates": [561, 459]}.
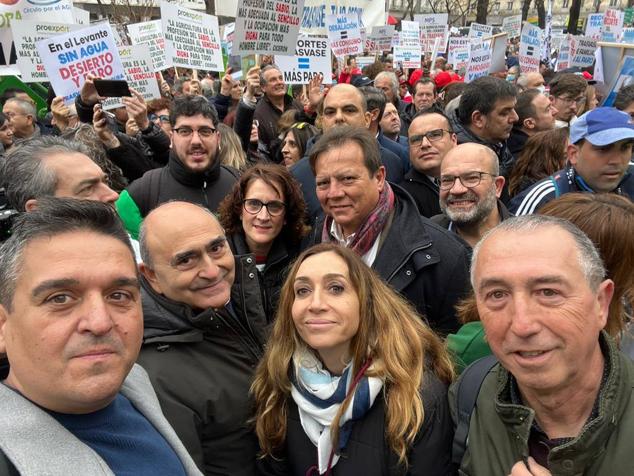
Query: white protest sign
{"type": "Point", "coordinates": [512, 25]}
{"type": "Point", "coordinates": [137, 63]}
{"type": "Point", "coordinates": [406, 57]}
{"type": "Point", "coordinates": [57, 11]}
{"type": "Point", "coordinates": [192, 39]}
{"type": "Point", "coordinates": [612, 25]}
{"type": "Point", "coordinates": [227, 8]}
{"type": "Point", "coordinates": [432, 19]}
{"type": "Point", "coordinates": [370, 13]}
{"type": "Point", "coordinates": [498, 53]}
{"type": "Point", "coordinates": [410, 33]}
{"type": "Point", "coordinates": [25, 34]}
{"type": "Point", "coordinates": [380, 38]}
{"type": "Point", "coordinates": [594, 25]}
{"type": "Point", "coordinates": [434, 51]}
{"type": "Point", "coordinates": [363, 61]}
{"type": "Point", "coordinates": [150, 33]}
{"type": "Point", "coordinates": [429, 34]}
{"type": "Point", "coordinates": [267, 26]}
{"type": "Point", "coordinates": [312, 57]}
{"type": "Point", "coordinates": [344, 34]}
{"type": "Point", "coordinates": [479, 60]}
{"type": "Point", "coordinates": [478, 30]}
{"type": "Point", "coordinates": [70, 57]}
{"type": "Point", "coordinates": [598, 66]}
{"type": "Point", "coordinates": [396, 39]}
{"type": "Point", "coordinates": [564, 58]}
{"type": "Point", "coordinates": [82, 17]}
{"type": "Point", "coordinates": [583, 55]}
{"type": "Point", "coordinates": [628, 36]}
{"type": "Point", "coordinates": [458, 52]}
{"type": "Point", "coordinates": [530, 48]}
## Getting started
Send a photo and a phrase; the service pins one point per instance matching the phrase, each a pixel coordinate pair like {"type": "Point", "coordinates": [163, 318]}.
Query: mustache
{"type": "Point", "coordinates": [465, 196]}
{"type": "Point", "coordinates": [90, 342]}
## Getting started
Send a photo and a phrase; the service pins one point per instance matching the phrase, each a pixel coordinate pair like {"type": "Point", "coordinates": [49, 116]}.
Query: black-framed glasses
{"type": "Point", "coordinates": [468, 180]}
{"type": "Point", "coordinates": [432, 136]}
{"type": "Point", "coordinates": [161, 117]}
{"type": "Point", "coordinates": [253, 206]}
{"type": "Point", "coordinates": [204, 132]}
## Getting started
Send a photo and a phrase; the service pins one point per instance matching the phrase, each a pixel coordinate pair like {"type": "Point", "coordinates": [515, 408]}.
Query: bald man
{"type": "Point", "coordinates": [203, 334]}
{"type": "Point", "coordinates": [470, 189]}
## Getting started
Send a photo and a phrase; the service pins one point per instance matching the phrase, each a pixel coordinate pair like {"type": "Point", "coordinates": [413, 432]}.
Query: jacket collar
{"type": "Point", "coordinates": [193, 179]}
{"type": "Point", "coordinates": [414, 175]}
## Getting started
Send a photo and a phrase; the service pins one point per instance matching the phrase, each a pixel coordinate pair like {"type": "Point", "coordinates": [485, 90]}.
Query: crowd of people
{"type": "Point", "coordinates": [394, 274]}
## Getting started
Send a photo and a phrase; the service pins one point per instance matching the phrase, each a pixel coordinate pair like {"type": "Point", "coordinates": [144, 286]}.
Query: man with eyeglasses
{"type": "Point", "coordinates": [193, 174]}
{"type": "Point", "coordinates": [567, 95]}
{"type": "Point", "coordinates": [22, 118]}
{"type": "Point", "coordinates": [470, 188]}
{"type": "Point", "coordinates": [599, 156]}
{"type": "Point", "coordinates": [203, 334]}
{"type": "Point", "coordinates": [430, 138]}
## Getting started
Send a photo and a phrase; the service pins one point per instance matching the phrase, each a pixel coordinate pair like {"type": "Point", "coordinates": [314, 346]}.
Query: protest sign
{"type": "Point", "coordinates": [458, 52]}
{"type": "Point", "coordinates": [25, 34]}
{"type": "Point", "coordinates": [583, 55]}
{"type": "Point", "coordinates": [267, 26]}
{"type": "Point", "coordinates": [612, 25]}
{"type": "Point", "coordinates": [410, 33]}
{"type": "Point", "coordinates": [430, 33]}
{"type": "Point", "coordinates": [548, 33]}
{"type": "Point", "coordinates": [370, 12]}
{"type": "Point", "coordinates": [151, 34]}
{"type": "Point", "coordinates": [512, 25]}
{"type": "Point", "coordinates": [57, 11]}
{"type": "Point", "coordinates": [477, 30]}
{"type": "Point", "coordinates": [81, 17]}
{"type": "Point", "coordinates": [380, 38]}
{"type": "Point", "coordinates": [312, 57]}
{"type": "Point", "coordinates": [612, 58]}
{"type": "Point", "coordinates": [363, 61]}
{"type": "Point", "coordinates": [563, 59]}
{"type": "Point", "coordinates": [406, 57]}
{"type": "Point", "coordinates": [192, 39]}
{"type": "Point", "coordinates": [530, 48]}
{"type": "Point", "coordinates": [625, 77]}
{"type": "Point", "coordinates": [479, 60]}
{"type": "Point", "coordinates": [598, 66]}
{"type": "Point", "coordinates": [628, 35]}
{"type": "Point", "coordinates": [344, 34]}
{"type": "Point", "coordinates": [498, 53]}
{"type": "Point", "coordinates": [432, 19]}
{"type": "Point", "coordinates": [137, 64]}
{"type": "Point", "coordinates": [594, 25]}
{"type": "Point", "coordinates": [396, 39]}
{"type": "Point", "coordinates": [70, 57]}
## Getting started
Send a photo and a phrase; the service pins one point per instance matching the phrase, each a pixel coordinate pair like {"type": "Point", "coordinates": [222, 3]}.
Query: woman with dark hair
{"type": "Point", "coordinates": [352, 381]}
{"type": "Point", "coordinates": [265, 215]}
{"type": "Point", "coordinates": [543, 154]}
{"type": "Point", "coordinates": [294, 141]}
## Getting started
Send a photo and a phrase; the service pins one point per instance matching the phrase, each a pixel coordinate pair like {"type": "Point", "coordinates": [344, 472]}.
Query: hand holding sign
{"type": "Point", "coordinates": [137, 109]}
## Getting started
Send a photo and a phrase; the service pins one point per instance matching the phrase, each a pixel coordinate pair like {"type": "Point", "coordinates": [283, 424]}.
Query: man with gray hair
{"type": "Point", "coordinates": [22, 117]}
{"type": "Point", "coordinates": [560, 399]}
{"type": "Point", "coordinates": [72, 400]}
{"type": "Point", "coordinates": [52, 166]}
{"type": "Point", "coordinates": [387, 81]}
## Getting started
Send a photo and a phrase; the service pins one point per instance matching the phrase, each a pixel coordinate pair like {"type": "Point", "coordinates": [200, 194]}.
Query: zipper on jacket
{"type": "Point", "coordinates": [205, 197]}
{"type": "Point", "coordinates": [415, 250]}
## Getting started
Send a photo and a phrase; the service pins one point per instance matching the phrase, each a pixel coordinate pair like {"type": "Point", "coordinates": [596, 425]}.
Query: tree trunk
{"type": "Point", "coordinates": [541, 13]}
{"type": "Point", "coordinates": [597, 6]}
{"type": "Point", "coordinates": [526, 5]}
{"type": "Point", "coordinates": [210, 7]}
{"type": "Point", "coordinates": [573, 19]}
{"type": "Point", "coordinates": [482, 8]}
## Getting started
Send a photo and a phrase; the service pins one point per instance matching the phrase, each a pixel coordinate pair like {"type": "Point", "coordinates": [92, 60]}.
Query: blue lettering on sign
{"type": "Point", "coordinates": [315, 17]}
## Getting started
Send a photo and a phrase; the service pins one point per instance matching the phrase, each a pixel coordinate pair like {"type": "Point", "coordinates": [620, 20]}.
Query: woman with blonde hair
{"type": "Point", "coordinates": [230, 148]}
{"type": "Point", "coordinates": [352, 381]}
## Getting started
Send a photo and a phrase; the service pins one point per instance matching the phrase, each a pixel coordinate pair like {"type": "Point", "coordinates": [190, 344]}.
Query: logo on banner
{"type": "Point", "coordinates": [303, 63]}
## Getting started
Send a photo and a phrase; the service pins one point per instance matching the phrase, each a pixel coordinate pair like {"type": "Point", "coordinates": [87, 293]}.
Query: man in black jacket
{"type": "Point", "coordinates": [204, 334]}
{"type": "Point", "coordinates": [423, 262]}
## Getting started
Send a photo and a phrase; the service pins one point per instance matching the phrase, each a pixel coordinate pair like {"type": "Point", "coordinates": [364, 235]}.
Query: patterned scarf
{"type": "Point", "coordinates": [373, 225]}
{"type": "Point", "coordinates": [318, 396]}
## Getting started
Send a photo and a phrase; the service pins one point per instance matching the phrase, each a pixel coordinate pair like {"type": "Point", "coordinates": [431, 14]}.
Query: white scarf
{"type": "Point", "coordinates": [318, 396]}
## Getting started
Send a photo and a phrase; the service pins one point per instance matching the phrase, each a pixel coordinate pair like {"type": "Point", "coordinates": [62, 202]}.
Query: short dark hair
{"type": "Point", "coordinates": [482, 95]}
{"type": "Point", "coordinates": [52, 217]}
{"type": "Point", "coordinates": [276, 176]}
{"type": "Point", "coordinates": [567, 83]}
{"type": "Point", "coordinates": [424, 81]}
{"type": "Point", "coordinates": [434, 110]}
{"type": "Point", "coordinates": [192, 106]}
{"type": "Point", "coordinates": [339, 136]}
{"type": "Point", "coordinates": [375, 99]}
{"type": "Point", "coordinates": [623, 98]}
{"type": "Point", "coordinates": [524, 106]}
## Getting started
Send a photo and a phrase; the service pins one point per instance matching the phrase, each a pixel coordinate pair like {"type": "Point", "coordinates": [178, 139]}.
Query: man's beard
{"type": "Point", "coordinates": [474, 215]}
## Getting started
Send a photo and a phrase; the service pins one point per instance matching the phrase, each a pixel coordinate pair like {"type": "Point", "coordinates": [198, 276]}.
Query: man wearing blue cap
{"type": "Point", "coordinates": [599, 161]}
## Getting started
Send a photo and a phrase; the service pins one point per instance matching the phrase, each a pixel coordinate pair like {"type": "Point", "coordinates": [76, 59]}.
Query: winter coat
{"type": "Point", "coordinates": [268, 116]}
{"type": "Point", "coordinates": [423, 191]}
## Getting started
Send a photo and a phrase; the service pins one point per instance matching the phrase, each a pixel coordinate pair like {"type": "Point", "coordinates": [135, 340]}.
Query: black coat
{"type": "Point", "coordinates": [201, 366]}
{"type": "Point", "coordinates": [425, 263]}
{"type": "Point", "coordinates": [423, 191]}
{"type": "Point", "coordinates": [268, 116]}
{"type": "Point", "coordinates": [367, 452]}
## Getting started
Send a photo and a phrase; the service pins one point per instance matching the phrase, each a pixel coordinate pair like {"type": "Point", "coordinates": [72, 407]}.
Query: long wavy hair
{"type": "Point", "coordinates": [401, 345]}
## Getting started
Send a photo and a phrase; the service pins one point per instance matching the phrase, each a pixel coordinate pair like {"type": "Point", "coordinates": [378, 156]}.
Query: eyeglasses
{"type": "Point", "coordinates": [204, 132]}
{"type": "Point", "coordinates": [432, 136]}
{"type": "Point", "coordinates": [468, 180]}
{"type": "Point", "coordinates": [162, 117]}
{"type": "Point", "coordinates": [11, 115]}
{"type": "Point", "coordinates": [578, 101]}
{"type": "Point", "coordinates": [253, 206]}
